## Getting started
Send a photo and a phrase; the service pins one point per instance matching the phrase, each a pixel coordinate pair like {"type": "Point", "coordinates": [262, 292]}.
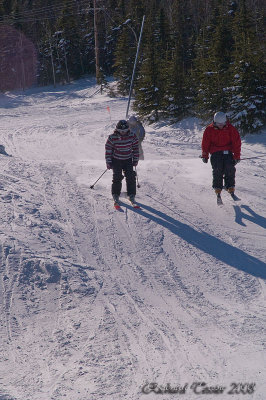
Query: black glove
{"type": "Point", "coordinates": [205, 160]}
{"type": "Point", "coordinates": [135, 163]}
{"type": "Point", "coordinates": [109, 166]}
{"type": "Point", "coordinates": [236, 162]}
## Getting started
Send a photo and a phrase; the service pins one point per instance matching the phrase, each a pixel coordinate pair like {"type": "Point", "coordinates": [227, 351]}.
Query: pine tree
{"type": "Point", "coordinates": [248, 74]}
{"type": "Point", "coordinates": [174, 69]}
{"type": "Point", "coordinates": [212, 63]}
{"type": "Point", "coordinates": [124, 60]}
{"type": "Point", "coordinates": [69, 41]}
{"type": "Point", "coordinates": [218, 74]}
{"type": "Point", "coordinates": [149, 86]}
{"type": "Point", "coordinates": [2, 10]}
{"type": "Point", "coordinates": [175, 88]}
{"type": "Point", "coordinates": [7, 6]}
{"type": "Point", "coordinates": [137, 9]}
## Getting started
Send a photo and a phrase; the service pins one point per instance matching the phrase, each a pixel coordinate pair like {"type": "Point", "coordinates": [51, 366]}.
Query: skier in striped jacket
{"type": "Point", "coordinates": [122, 154]}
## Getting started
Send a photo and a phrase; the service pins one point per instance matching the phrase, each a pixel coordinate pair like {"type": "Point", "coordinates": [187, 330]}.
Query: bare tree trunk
{"type": "Point", "coordinates": [52, 60]}
{"type": "Point", "coordinates": [96, 40]}
{"type": "Point", "coordinates": [51, 55]}
{"type": "Point", "coordinates": [68, 80]}
{"type": "Point", "coordinates": [23, 80]}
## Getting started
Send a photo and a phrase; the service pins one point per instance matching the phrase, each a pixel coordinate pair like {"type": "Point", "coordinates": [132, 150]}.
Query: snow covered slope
{"type": "Point", "coordinates": [96, 304]}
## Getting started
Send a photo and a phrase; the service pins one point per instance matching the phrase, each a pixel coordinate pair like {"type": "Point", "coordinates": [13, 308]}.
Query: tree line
{"type": "Point", "coordinates": [197, 56]}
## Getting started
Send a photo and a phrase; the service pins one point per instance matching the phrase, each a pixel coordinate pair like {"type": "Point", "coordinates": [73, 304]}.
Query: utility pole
{"type": "Point", "coordinates": [96, 41]}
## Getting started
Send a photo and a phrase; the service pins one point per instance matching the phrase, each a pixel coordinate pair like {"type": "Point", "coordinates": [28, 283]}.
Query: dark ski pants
{"type": "Point", "coordinates": [223, 167]}
{"type": "Point", "coordinates": [127, 167]}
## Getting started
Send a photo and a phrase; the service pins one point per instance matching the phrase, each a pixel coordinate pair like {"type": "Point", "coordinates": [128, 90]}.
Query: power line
{"type": "Point", "coordinates": [41, 10]}
{"type": "Point", "coordinates": [42, 18]}
{"type": "Point", "coordinates": [39, 15]}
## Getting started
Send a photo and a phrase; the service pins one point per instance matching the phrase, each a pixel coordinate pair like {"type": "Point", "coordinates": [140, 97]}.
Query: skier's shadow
{"type": "Point", "coordinates": [251, 216]}
{"type": "Point", "coordinates": [207, 243]}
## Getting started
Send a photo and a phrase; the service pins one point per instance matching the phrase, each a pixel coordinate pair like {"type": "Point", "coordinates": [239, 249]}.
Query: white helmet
{"type": "Point", "coordinates": [220, 118]}
{"type": "Point", "coordinates": [132, 120]}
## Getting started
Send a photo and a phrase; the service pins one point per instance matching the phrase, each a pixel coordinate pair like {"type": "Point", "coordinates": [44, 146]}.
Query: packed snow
{"type": "Point", "coordinates": [99, 304]}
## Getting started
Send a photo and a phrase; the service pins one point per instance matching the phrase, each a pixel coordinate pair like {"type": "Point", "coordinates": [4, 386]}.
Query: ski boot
{"type": "Point", "coordinates": [116, 202]}
{"type": "Point", "coordinates": [218, 194]}
{"type": "Point", "coordinates": [231, 191]}
{"type": "Point", "coordinates": [115, 198]}
{"type": "Point", "coordinates": [131, 198]}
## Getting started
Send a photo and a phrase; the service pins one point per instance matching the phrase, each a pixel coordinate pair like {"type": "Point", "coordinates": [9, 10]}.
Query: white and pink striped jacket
{"type": "Point", "coordinates": [122, 147]}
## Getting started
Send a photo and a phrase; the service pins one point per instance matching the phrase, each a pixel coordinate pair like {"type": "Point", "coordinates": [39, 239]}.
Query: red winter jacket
{"type": "Point", "coordinates": [215, 139]}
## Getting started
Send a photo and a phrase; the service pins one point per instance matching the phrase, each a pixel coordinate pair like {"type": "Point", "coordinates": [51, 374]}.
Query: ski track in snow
{"type": "Point", "coordinates": [96, 303]}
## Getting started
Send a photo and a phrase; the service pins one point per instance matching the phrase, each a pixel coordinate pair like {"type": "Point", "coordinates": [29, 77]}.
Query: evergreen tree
{"type": "Point", "coordinates": [149, 86]}
{"type": "Point", "coordinates": [225, 72]}
{"type": "Point", "coordinates": [7, 6]}
{"type": "Point", "coordinates": [174, 70]}
{"type": "Point", "coordinates": [2, 10]}
{"type": "Point", "coordinates": [46, 60]}
{"type": "Point", "coordinates": [212, 63]}
{"type": "Point", "coordinates": [174, 102]}
{"type": "Point", "coordinates": [137, 9]}
{"type": "Point", "coordinates": [124, 60]}
{"type": "Point", "coordinates": [248, 74]}
{"type": "Point", "coordinates": [69, 41]}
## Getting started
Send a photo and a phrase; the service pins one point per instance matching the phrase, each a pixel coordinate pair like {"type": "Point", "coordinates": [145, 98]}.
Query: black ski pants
{"type": "Point", "coordinates": [127, 167]}
{"type": "Point", "coordinates": [223, 167]}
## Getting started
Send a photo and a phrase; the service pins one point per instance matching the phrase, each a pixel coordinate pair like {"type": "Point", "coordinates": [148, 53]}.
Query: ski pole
{"type": "Point", "coordinates": [138, 185]}
{"type": "Point", "coordinates": [92, 186]}
{"type": "Point", "coordinates": [246, 158]}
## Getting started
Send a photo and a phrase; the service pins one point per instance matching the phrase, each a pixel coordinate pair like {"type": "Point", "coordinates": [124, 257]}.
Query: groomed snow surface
{"type": "Point", "coordinates": [95, 303]}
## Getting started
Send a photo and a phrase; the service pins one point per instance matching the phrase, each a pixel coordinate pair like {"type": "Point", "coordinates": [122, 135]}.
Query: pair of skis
{"type": "Point", "coordinates": [220, 201]}
{"type": "Point", "coordinates": [118, 207]}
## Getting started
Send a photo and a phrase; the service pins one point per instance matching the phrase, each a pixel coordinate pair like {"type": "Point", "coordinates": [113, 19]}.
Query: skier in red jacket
{"type": "Point", "coordinates": [222, 141]}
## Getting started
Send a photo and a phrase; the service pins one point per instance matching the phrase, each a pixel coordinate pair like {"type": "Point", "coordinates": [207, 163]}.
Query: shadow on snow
{"type": "Point", "coordinates": [251, 216]}
{"type": "Point", "coordinates": [207, 243]}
